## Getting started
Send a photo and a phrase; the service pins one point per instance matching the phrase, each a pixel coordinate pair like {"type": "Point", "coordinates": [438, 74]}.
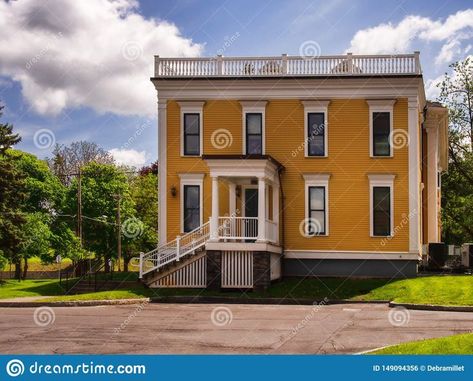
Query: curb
{"type": "Point", "coordinates": [74, 303]}
{"type": "Point", "coordinates": [270, 301]}
{"type": "Point", "coordinates": [431, 307]}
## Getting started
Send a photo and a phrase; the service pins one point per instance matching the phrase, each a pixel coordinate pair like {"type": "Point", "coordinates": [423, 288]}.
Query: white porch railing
{"type": "Point", "coordinates": [238, 228]}
{"type": "Point", "coordinates": [349, 64]}
{"type": "Point", "coordinates": [174, 250]}
{"type": "Point", "coordinates": [229, 228]}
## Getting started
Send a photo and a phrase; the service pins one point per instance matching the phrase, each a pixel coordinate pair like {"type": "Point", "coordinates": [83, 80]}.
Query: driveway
{"type": "Point", "coordinates": [205, 328]}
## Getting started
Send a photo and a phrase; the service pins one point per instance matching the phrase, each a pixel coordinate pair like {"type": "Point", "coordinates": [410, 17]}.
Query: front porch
{"type": "Point", "coordinates": [253, 199]}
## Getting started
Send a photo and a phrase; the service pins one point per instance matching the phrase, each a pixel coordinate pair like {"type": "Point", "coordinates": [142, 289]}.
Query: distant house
{"type": "Point", "coordinates": [294, 166]}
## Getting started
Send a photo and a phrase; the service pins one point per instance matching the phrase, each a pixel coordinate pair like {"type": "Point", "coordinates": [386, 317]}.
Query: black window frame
{"type": "Point", "coordinates": [384, 233]}
{"type": "Point", "coordinates": [309, 134]}
{"type": "Point", "coordinates": [376, 135]}
{"type": "Point", "coordinates": [185, 208]}
{"type": "Point", "coordinates": [310, 210]}
{"type": "Point", "coordinates": [261, 134]}
{"type": "Point", "coordinates": [185, 134]}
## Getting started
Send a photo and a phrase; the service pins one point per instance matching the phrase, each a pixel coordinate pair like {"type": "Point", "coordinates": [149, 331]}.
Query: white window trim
{"type": "Point", "coordinates": [382, 180]}
{"type": "Point", "coordinates": [317, 180]}
{"type": "Point", "coordinates": [381, 105]}
{"type": "Point", "coordinates": [250, 107]}
{"type": "Point", "coordinates": [310, 107]}
{"type": "Point", "coordinates": [192, 107]}
{"type": "Point", "coordinates": [191, 179]}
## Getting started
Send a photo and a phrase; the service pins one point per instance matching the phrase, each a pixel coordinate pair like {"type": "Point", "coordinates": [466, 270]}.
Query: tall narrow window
{"type": "Point", "coordinates": [317, 212]}
{"type": "Point", "coordinates": [192, 134]}
{"type": "Point", "coordinates": [191, 207]}
{"type": "Point", "coordinates": [381, 211]}
{"type": "Point", "coordinates": [316, 134]}
{"type": "Point", "coordinates": [381, 131]}
{"type": "Point", "coordinates": [254, 133]}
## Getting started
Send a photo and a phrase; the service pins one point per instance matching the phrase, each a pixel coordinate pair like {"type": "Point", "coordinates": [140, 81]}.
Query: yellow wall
{"type": "Point", "coordinates": [348, 162]}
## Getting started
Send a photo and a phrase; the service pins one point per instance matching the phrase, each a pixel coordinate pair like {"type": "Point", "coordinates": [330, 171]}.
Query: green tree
{"type": "Point", "coordinates": [102, 185]}
{"type": "Point", "coordinates": [457, 184]}
{"type": "Point", "coordinates": [12, 196]}
{"type": "Point", "coordinates": [140, 232]}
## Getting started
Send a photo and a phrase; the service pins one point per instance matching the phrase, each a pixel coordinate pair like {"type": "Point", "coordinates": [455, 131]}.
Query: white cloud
{"type": "Point", "coordinates": [98, 54]}
{"type": "Point", "coordinates": [432, 91]}
{"type": "Point", "coordinates": [129, 157]}
{"type": "Point", "coordinates": [399, 38]}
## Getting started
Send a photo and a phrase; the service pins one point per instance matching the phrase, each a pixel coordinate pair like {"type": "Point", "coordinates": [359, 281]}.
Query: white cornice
{"type": "Point", "coordinates": [307, 89]}
{"type": "Point", "coordinates": [381, 102]}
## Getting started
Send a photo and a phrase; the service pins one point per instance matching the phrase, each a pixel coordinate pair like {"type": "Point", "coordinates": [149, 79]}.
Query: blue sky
{"type": "Point", "coordinates": [81, 69]}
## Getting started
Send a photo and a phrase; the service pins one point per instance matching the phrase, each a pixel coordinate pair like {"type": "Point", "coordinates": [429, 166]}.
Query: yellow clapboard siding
{"type": "Point", "coordinates": [348, 162]}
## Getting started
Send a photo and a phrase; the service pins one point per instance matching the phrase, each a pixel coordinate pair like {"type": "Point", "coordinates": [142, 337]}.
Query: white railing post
{"type": "Point", "coordinates": [350, 62]}
{"type": "Point", "coordinates": [178, 247]}
{"type": "Point", "coordinates": [417, 68]}
{"type": "Point", "coordinates": [219, 64]}
{"type": "Point", "coordinates": [156, 66]}
{"type": "Point", "coordinates": [141, 264]}
{"type": "Point", "coordinates": [215, 212]}
{"type": "Point", "coordinates": [284, 63]}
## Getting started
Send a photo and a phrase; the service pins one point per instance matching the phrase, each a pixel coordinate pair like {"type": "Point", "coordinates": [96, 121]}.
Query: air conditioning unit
{"type": "Point", "coordinates": [467, 254]}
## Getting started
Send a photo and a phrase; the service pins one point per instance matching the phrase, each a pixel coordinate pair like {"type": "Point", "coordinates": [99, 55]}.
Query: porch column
{"type": "Point", "coordinates": [232, 199]}
{"type": "Point", "coordinates": [261, 210]}
{"type": "Point", "coordinates": [215, 212]}
{"type": "Point", "coordinates": [276, 209]}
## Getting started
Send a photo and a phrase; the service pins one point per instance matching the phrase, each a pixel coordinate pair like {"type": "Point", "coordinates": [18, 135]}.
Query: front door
{"type": "Point", "coordinates": [251, 210]}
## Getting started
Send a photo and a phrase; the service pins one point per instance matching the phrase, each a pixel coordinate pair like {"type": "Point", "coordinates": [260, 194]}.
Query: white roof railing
{"type": "Point", "coordinates": [349, 64]}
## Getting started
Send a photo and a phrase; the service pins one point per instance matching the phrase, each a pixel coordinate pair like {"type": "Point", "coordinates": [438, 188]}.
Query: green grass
{"type": "Point", "coordinates": [34, 264]}
{"type": "Point", "coordinates": [438, 290]}
{"type": "Point", "coordinates": [451, 345]}
{"type": "Point", "coordinates": [16, 289]}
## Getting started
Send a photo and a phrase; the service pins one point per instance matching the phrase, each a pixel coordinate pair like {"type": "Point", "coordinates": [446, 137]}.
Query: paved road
{"type": "Point", "coordinates": [174, 328]}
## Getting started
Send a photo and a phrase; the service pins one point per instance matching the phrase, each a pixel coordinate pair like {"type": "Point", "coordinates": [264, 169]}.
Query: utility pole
{"type": "Point", "coordinates": [119, 232]}
{"type": "Point", "coordinates": [79, 206]}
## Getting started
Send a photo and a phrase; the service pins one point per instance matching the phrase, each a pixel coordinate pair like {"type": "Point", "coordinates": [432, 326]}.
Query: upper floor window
{"type": "Point", "coordinates": [381, 133]}
{"type": "Point", "coordinates": [316, 134]}
{"type": "Point", "coordinates": [316, 128]}
{"type": "Point", "coordinates": [253, 127]}
{"type": "Point", "coordinates": [381, 204]}
{"type": "Point", "coordinates": [191, 127]}
{"type": "Point", "coordinates": [381, 127]}
{"type": "Point", "coordinates": [191, 134]}
{"type": "Point", "coordinates": [254, 133]}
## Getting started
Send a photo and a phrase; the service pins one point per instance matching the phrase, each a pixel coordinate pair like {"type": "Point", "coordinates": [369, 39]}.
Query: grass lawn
{"type": "Point", "coordinates": [451, 345]}
{"type": "Point", "coordinates": [16, 289]}
{"type": "Point", "coordinates": [440, 290]}
{"type": "Point", "coordinates": [34, 264]}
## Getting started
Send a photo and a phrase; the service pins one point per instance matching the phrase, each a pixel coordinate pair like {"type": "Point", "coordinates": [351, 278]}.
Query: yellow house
{"type": "Point", "coordinates": [294, 166]}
